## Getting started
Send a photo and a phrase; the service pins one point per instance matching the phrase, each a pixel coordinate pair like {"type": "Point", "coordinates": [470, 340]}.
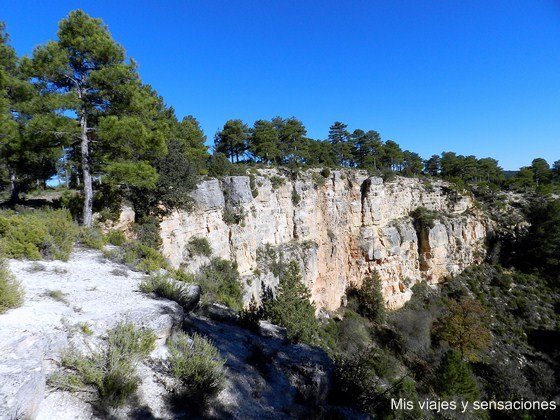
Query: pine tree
{"type": "Point", "coordinates": [291, 306]}
{"type": "Point", "coordinates": [455, 378]}
{"type": "Point", "coordinates": [29, 142]}
{"type": "Point", "coordinates": [232, 139]}
{"type": "Point", "coordinates": [264, 143]}
{"type": "Point", "coordinates": [341, 142]}
{"type": "Point", "coordinates": [367, 148]}
{"type": "Point", "coordinates": [121, 124]}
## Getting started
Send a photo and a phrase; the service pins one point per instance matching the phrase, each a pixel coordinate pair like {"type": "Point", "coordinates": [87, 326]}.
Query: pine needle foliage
{"type": "Point", "coordinates": [291, 307]}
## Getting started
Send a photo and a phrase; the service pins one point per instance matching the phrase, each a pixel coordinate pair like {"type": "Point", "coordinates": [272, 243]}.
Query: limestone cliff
{"type": "Point", "coordinates": [340, 229]}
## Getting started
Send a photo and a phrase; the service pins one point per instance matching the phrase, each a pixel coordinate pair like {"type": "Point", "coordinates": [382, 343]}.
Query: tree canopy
{"type": "Point", "coordinates": [119, 124]}
{"type": "Point", "coordinates": [77, 110]}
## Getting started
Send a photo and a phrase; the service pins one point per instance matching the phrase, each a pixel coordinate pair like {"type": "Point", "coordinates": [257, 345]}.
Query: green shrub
{"type": "Point", "coordinates": [57, 295]}
{"type": "Point", "coordinates": [61, 234]}
{"type": "Point", "coordinates": [253, 186]}
{"type": "Point", "coordinates": [111, 372]}
{"type": "Point", "coordinates": [147, 231]}
{"type": "Point", "coordinates": [220, 283]}
{"type": "Point", "coordinates": [291, 306]}
{"type": "Point", "coordinates": [34, 234]}
{"type": "Point", "coordinates": [455, 378]}
{"type": "Point", "coordinates": [251, 315]}
{"type": "Point", "coordinates": [199, 246]}
{"type": "Point", "coordinates": [92, 238]}
{"type": "Point", "coordinates": [218, 165]}
{"type": "Point", "coordinates": [11, 291]}
{"type": "Point", "coordinates": [36, 267]}
{"type": "Point", "coordinates": [197, 363]}
{"type": "Point", "coordinates": [296, 198]}
{"type": "Point", "coordinates": [170, 289]}
{"type": "Point", "coordinates": [325, 172]}
{"type": "Point", "coordinates": [116, 237]}
{"type": "Point", "coordinates": [423, 218]}
{"type": "Point", "coordinates": [181, 275]}
{"type": "Point", "coordinates": [277, 181]}
{"type": "Point", "coordinates": [233, 217]}
{"type": "Point", "coordinates": [368, 299]}
{"type": "Point", "coordinates": [143, 257]}
{"type": "Point", "coordinates": [73, 202]}
{"type": "Point", "coordinates": [360, 378]}
{"type": "Point", "coordinates": [318, 180]}
{"type": "Point", "coordinates": [85, 328]}
{"type": "Point", "coordinates": [349, 336]}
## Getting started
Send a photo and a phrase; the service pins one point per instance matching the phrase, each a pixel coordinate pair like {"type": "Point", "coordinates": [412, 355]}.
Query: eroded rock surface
{"type": "Point", "coordinates": [340, 230]}
{"type": "Point", "coordinates": [62, 300]}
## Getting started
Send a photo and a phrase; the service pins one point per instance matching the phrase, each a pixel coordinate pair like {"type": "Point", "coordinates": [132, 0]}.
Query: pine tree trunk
{"type": "Point", "coordinates": [66, 171]}
{"type": "Point", "coordinates": [86, 174]}
{"type": "Point", "coordinates": [14, 187]}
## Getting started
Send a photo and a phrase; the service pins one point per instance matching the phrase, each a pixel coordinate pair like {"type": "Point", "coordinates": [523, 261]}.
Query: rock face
{"type": "Point", "coordinates": [339, 228]}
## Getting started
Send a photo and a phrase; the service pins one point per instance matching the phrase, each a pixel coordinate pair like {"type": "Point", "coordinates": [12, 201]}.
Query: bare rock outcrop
{"type": "Point", "coordinates": [64, 299]}
{"type": "Point", "coordinates": [339, 228]}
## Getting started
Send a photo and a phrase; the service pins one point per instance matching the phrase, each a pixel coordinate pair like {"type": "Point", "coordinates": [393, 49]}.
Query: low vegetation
{"type": "Point", "coordinates": [11, 291]}
{"type": "Point", "coordinates": [424, 219]}
{"type": "Point", "coordinates": [37, 234]}
{"type": "Point", "coordinates": [199, 246]}
{"type": "Point", "coordinates": [169, 288]}
{"type": "Point", "coordinates": [109, 374]}
{"type": "Point", "coordinates": [116, 237]}
{"type": "Point", "coordinates": [197, 364]}
{"type": "Point", "coordinates": [220, 283]}
{"type": "Point", "coordinates": [291, 306]}
{"type": "Point", "coordinates": [367, 300]}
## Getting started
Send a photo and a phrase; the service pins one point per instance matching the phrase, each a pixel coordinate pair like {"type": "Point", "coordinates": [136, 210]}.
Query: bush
{"type": "Point", "coordinates": [277, 181]}
{"type": "Point", "coordinates": [349, 336]}
{"type": "Point", "coordinates": [116, 237]}
{"type": "Point", "coordinates": [360, 379]}
{"type": "Point", "coordinates": [61, 234]}
{"type": "Point", "coordinates": [34, 234]}
{"type": "Point", "coordinates": [170, 289]}
{"type": "Point", "coordinates": [11, 291]}
{"type": "Point", "coordinates": [455, 378]}
{"type": "Point", "coordinates": [318, 180]}
{"type": "Point", "coordinates": [253, 186]}
{"type": "Point", "coordinates": [147, 231]}
{"type": "Point", "coordinates": [73, 202]}
{"type": "Point", "coordinates": [423, 218]}
{"type": "Point", "coordinates": [92, 238]}
{"type": "Point", "coordinates": [218, 165]}
{"type": "Point", "coordinates": [296, 198]}
{"type": "Point", "coordinates": [233, 217]}
{"type": "Point", "coordinates": [199, 246]}
{"type": "Point", "coordinates": [197, 363]}
{"type": "Point", "coordinates": [368, 299]}
{"type": "Point", "coordinates": [251, 315]}
{"type": "Point", "coordinates": [291, 307]}
{"type": "Point", "coordinates": [111, 373]}
{"type": "Point", "coordinates": [143, 257]}
{"type": "Point", "coordinates": [220, 283]}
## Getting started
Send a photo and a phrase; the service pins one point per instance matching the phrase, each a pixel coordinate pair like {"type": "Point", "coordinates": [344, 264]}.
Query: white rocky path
{"type": "Point", "coordinates": [61, 300]}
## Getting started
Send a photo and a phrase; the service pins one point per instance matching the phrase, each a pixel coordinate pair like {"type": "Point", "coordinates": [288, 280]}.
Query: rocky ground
{"type": "Point", "coordinates": [266, 376]}
{"type": "Point", "coordinates": [61, 300]}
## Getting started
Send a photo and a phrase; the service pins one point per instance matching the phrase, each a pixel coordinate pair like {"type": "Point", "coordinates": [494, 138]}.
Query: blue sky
{"type": "Point", "coordinates": [473, 77]}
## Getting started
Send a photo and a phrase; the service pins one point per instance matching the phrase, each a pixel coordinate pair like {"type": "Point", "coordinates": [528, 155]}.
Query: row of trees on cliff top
{"type": "Point", "coordinates": [77, 110]}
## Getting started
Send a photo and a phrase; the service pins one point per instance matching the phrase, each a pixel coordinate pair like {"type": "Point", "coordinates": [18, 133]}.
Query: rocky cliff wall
{"type": "Point", "coordinates": [340, 228]}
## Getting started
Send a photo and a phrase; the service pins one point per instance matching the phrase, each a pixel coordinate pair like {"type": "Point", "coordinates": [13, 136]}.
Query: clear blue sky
{"type": "Point", "coordinates": [476, 77]}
